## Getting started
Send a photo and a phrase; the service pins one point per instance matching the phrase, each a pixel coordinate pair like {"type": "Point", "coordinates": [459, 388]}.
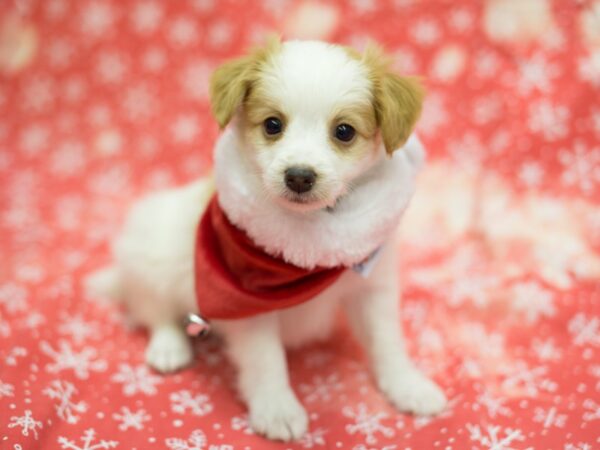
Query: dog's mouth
{"type": "Point", "coordinates": [302, 202]}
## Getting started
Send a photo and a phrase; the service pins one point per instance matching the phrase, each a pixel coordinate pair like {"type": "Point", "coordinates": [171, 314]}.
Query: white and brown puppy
{"type": "Point", "coordinates": [316, 166]}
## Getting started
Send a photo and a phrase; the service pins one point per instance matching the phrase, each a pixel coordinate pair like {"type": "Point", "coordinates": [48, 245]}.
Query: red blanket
{"type": "Point", "coordinates": [101, 101]}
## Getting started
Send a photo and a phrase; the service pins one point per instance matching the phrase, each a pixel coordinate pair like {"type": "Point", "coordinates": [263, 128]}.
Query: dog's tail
{"type": "Point", "coordinates": [105, 284]}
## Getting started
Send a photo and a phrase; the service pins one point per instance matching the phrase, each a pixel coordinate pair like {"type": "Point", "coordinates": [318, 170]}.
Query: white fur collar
{"type": "Point", "coordinates": [361, 221]}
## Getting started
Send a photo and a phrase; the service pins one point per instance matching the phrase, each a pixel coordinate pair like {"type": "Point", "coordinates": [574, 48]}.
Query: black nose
{"type": "Point", "coordinates": [300, 179]}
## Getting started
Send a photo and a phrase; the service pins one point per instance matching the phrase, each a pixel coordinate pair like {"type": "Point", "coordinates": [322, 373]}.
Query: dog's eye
{"type": "Point", "coordinates": [344, 132]}
{"type": "Point", "coordinates": [272, 126]}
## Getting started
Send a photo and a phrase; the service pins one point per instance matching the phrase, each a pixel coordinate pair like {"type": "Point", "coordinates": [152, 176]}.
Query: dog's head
{"type": "Point", "coordinates": [314, 116]}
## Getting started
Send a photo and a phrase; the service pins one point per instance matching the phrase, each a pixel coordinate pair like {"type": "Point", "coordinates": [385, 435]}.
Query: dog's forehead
{"type": "Point", "coordinates": [315, 76]}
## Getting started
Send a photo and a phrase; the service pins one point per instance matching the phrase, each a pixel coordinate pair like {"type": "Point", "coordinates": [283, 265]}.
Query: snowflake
{"type": "Point", "coordinates": [536, 74]}
{"type": "Point", "coordinates": [146, 16]}
{"type": "Point", "coordinates": [313, 438]}
{"type": "Point", "coordinates": [532, 300]}
{"type": "Point", "coordinates": [111, 67]}
{"type": "Point", "coordinates": [321, 388]}
{"type": "Point", "coordinates": [195, 79]}
{"type": "Point", "coordinates": [130, 419]}
{"type": "Point", "coordinates": [13, 297]}
{"type": "Point", "coordinates": [136, 379]}
{"type": "Point", "coordinates": [97, 18]}
{"type": "Point", "coordinates": [198, 405]}
{"type": "Point", "coordinates": [78, 328]}
{"type": "Point", "coordinates": [65, 358]}
{"type": "Point", "coordinates": [475, 288]}
{"type": "Point", "coordinates": [66, 409]}
{"type": "Point", "coordinates": [364, 447]}
{"type": "Point", "coordinates": [581, 167]}
{"type": "Point", "coordinates": [594, 410]}
{"type": "Point", "coordinates": [584, 330]}
{"type": "Point", "coordinates": [27, 424]}
{"type": "Point", "coordinates": [6, 389]}
{"type": "Point", "coordinates": [531, 174]}
{"type": "Point", "coordinates": [461, 19]}
{"type": "Point", "coordinates": [434, 114]}
{"type": "Point", "coordinates": [546, 350]}
{"type": "Point", "coordinates": [33, 138]}
{"type": "Point", "coordinates": [363, 6]}
{"type": "Point", "coordinates": [60, 53]}
{"type": "Point", "coordinates": [68, 159]}
{"type": "Point", "coordinates": [196, 441]}
{"type": "Point", "coordinates": [494, 405]}
{"type": "Point", "coordinates": [486, 64]}
{"type": "Point", "coordinates": [549, 418]}
{"type": "Point", "coordinates": [241, 423]}
{"type": "Point", "coordinates": [549, 120]}
{"type": "Point", "coordinates": [527, 380]}
{"type": "Point", "coordinates": [220, 33]}
{"type": "Point", "coordinates": [492, 438]}
{"type": "Point", "coordinates": [87, 439]}
{"type": "Point", "coordinates": [74, 89]}
{"type": "Point", "coordinates": [425, 32]}
{"type": "Point", "coordinates": [185, 129]}
{"type": "Point", "coordinates": [589, 68]}
{"type": "Point", "coordinates": [367, 423]}
{"type": "Point", "coordinates": [38, 94]}
{"type": "Point", "coordinates": [183, 31]}
{"type": "Point", "coordinates": [579, 446]}
{"type": "Point", "coordinates": [138, 102]}
{"type": "Point", "coordinates": [154, 59]}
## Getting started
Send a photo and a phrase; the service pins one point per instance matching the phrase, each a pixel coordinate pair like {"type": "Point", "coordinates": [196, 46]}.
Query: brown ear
{"type": "Point", "coordinates": [398, 100]}
{"type": "Point", "coordinates": [230, 83]}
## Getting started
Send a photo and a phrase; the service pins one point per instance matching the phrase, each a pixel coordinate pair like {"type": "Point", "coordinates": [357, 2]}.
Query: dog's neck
{"type": "Point", "coordinates": [344, 235]}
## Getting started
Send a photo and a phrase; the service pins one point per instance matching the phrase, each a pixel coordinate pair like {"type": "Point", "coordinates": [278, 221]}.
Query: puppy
{"type": "Point", "coordinates": [312, 174]}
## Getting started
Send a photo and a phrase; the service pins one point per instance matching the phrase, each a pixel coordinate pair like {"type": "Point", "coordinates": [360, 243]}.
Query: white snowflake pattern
{"type": "Point", "coordinates": [194, 79]}
{"type": "Point", "coordinates": [494, 437]}
{"type": "Point", "coordinates": [584, 330]}
{"type": "Point", "coordinates": [136, 379]}
{"type": "Point", "coordinates": [579, 446]}
{"type": "Point", "coordinates": [130, 419]}
{"type": "Point", "coordinates": [13, 356]}
{"type": "Point", "coordinates": [111, 67]}
{"type": "Point", "coordinates": [146, 16]}
{"type": "Point", "coordinates": [196, 441]}
{"type": "Point", "coordinates": [589, 68]}
{"type": "Point", "coordinates": [549, 120]}
{"type": "Point", "coordinates": [549, 417]}
{"type": "Point", "coordinates": [66, 408]}
{"type": "Point", "coordinates": [13, 297]}
{"type": "Point", "coordinates": [154, 59]}
{"type": "Point", "coordinates": [38, 93]}
{"type": "Point", "coordinates": [321, 388]}
{"type": "Point", "coordinates": [185, 128]}
{"type": "Point", "coordinates": [241, 423]}
{"type": "Point", "coordinates": [78, 329]}
{"type": "Point", "coordinates": [87, 442]}
{"type": "Point", "coordinates": [60, 53]}
{"type": "Point", "coordinates": [27, 424]}
{"type": "Point", "coordinates": [367, 423]}
{"type": "Point", "coordinates": [139, 103]}
{"type": "Point", "coordinates": [97, 18]}
{"type": "Point", "coordinates": [33, 138]}
{"type": "Point", "coordinates": [461, 19]}
{"type": "Point", "coordinates": [536, 74]}
{"type": "Point", "coordinates": [68, 159]}
{"type": "Point", "coordinates": [581, 167]}
{"type": "Point", "coordinates": [532, 300]}
{"type": "Point", "coordinates": [531, 174]}
{"type": "Point", "coordinates": [546, 350]}
{"type": "Point", "coordinates": [593, 408]}
{"type": "Point", "coordinates": [82, 363]}
{"type": "Point", "coordinates": [425, 32]}
{"type": "Point", "coordinates": [495, 406]}
{"type": "Point", "coordinates": [6, 389]}
{"type": "Point", "coordinates": [220, 33]}
{"type": "Point", "coordinates": [434, 114]}
{"type": "Point", "coordinates": [183, 400]}
{"type": "Point", "coordinates": [182, 32]}
{"type": "Point", "coordinates": [313, 438]}
{"type": "Point", "coordinates": [528, 381]}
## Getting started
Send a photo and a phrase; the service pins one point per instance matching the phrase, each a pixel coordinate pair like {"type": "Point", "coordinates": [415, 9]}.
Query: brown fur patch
{"type": "Point", "coordinates": [397, 100]}
{"type": "Point", "coordinates": [232, 81]}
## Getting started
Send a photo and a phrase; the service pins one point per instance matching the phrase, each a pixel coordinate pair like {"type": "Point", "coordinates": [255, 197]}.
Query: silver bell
{"type": "Point", "coordinates": [196, 326]}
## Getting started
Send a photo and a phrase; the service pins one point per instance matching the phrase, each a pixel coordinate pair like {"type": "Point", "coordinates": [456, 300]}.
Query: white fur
{"type": "Point", "coordinates": [153, 270]}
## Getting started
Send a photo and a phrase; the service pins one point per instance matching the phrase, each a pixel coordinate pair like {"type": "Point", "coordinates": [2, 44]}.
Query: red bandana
{"type": "Point", "coordinates": [235, 278]}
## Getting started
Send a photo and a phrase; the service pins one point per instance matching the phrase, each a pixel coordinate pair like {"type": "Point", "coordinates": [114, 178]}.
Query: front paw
{"type": "Point", "coordinates": [411, 391]}
{"type": "Point", "coordinates": [279, 416]}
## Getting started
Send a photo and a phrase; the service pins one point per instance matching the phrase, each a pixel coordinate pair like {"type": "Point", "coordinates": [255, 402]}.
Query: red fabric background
{"type": "Point", "coordinates": [101, 101]}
